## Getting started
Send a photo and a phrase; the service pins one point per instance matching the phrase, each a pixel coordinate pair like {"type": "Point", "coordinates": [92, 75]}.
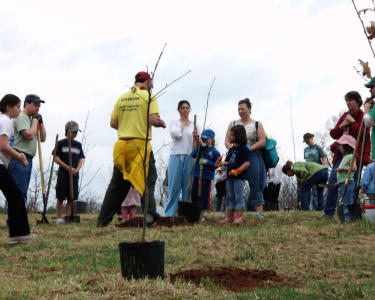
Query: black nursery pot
{"type": "Point", "coordinates": [142, 259]}
{"type": "Point", "coordinates": [76, 219]}
{"type": "Point", "coordinates": [191, 210]}
{"type": "Point", "coordinates": [80, 207]}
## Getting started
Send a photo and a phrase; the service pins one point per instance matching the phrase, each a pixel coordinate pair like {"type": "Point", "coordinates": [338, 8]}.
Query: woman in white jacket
{"type": "Point", "coordinates": [183, 135]}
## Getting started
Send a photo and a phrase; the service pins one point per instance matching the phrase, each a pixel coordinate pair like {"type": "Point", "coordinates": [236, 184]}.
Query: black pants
{"type": "Point", "coordinates": [17, 216]}
{"type": "Point", "coordinates": [270, 194]}
{"type": "Point", "coordinates": [152, 176]}
{"type": "Point", "coordinates": [220, 194]}
{"type": "Point", "coordinates": [117, 190]}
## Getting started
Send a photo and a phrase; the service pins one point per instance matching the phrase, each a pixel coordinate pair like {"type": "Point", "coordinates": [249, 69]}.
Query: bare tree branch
{"type": "Point", "coordinates": [174, 81]}
{"type": "Point", "coordinates": [364, 28]}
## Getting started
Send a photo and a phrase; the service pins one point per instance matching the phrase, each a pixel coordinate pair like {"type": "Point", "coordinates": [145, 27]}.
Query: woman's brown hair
{"type": "Point", "coordinates": [287, 167]}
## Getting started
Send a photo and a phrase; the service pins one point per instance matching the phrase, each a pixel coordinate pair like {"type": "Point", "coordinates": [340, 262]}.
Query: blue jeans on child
{"type": "Point", "coordinates": [319, 177]}
{"type": "Point", "coordinates": [348, 197]}
{"type": "Point", "coordinates": [21, 175]}
{"type": "Point", "coordinates": [235, 193]}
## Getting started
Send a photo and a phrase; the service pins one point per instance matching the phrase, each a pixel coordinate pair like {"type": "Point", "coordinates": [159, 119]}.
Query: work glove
{"type": "Point", "coordinates": [218, 161]}
{"type": "Point", "coordinates": [38, 117]}
{"type": "Point", "coordinates": [203, 161]}
{"type": "Point", "coordinates": [235, 172]}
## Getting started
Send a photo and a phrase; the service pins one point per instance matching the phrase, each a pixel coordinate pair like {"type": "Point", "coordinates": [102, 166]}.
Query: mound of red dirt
{"type": "Point", "coordinates": [165, 221]}
{"type": "Point", "coordinates": [233, 279]}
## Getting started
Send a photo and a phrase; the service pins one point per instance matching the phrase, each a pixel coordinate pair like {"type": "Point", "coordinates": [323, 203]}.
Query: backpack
{"type": "Point", "coordinates": [269, 152]}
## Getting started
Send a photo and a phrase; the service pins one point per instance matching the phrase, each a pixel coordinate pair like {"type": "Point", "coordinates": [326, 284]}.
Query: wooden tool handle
{"type": "Point", "coordinates": [51, 172]}
{"type": "Point", "coordinates": [71, 192]}
{"type": "Point", "coordinates": [40, 161]}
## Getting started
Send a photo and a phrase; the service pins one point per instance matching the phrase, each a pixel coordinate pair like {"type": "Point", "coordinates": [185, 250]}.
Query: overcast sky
{"type": "Point", "coordinates": [80, 56]}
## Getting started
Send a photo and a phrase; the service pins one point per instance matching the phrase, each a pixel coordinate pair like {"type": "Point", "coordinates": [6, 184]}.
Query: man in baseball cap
{"type": "Point", "coordinates": [33, 98]}
{"type": "Point", "coordinates": [142, 77]}
{"type": "Point", "coordinates": [129, 118]}
{"type": "Point", "coordinates": [25, 140]}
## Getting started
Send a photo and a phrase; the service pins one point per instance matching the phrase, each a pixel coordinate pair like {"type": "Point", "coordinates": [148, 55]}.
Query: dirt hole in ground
{"type": "Point", "coordinates": [165, 221]}
{"type": "Point", "coordinates": [233, 279]}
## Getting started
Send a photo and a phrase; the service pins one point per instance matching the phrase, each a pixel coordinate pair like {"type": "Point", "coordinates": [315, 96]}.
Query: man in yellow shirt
{"type": "Point", "coordinates": [129, 118]}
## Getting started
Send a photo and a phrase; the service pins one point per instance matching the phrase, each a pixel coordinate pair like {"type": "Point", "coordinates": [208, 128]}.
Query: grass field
{"type": "Point", "coordinates": [320, 259]}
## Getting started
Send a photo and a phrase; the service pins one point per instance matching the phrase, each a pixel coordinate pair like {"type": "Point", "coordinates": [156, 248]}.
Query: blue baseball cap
{"type": "Point", "coordinates": [207, 133]}
{"type": "Point", "coordinates": [33, 98]}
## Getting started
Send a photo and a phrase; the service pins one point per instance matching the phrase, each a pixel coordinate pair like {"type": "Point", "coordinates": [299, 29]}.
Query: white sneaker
{"type": "Point", "coordinates": [149, 218]}
{"type": "Point", "coordinates": [21, 239]}
{"type": "Point", "coordinates": [260, 215]}
{"type": "Point", "coordinates": [59, 221]}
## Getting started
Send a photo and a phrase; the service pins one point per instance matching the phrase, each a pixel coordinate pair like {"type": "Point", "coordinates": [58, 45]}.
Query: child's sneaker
{"type": "Point", "coordinates": [260, 215]}
{"type": "Point", "coordinates": [21, 239]}
{"type": "Point", "coordinates": [59, 221]}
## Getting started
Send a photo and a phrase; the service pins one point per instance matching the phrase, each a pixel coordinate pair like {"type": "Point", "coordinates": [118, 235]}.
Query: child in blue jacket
{"type": "Point", "coordinates": [367, 183]}
{"type": "Point", "coordinates": [205, 163]}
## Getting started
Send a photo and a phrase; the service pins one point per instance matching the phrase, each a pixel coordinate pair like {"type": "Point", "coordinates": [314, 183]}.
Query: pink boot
{"type": "Point", "coordinates": [239, 217]}
{"type": "Point", "coordinates": [229, 217]}
{"type": "Point", "coordinates": [132, 213]}
{"type": "Point", "coordinates": [124, 213]}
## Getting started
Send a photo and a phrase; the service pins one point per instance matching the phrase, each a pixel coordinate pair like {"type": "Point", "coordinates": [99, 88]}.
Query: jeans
{"type": "Point", "coordinates": [257, 176]}
{"type": "Point", "coordinates": [17, 216]}
{"type": "Point", "coordinates": [178, 181]}
{"type": "Point", "coordinates": [318, 204]}
{"type": "Point", "coordinates": [332, 193]}
{"type": "Point", "coordinates": [21, 175]}
{"type": "Point", "coordinates": [235, 194]}
{"type": "Point", "coordinates": [348, 197]}
{"type": "Point", "coordinates": [319, 177]}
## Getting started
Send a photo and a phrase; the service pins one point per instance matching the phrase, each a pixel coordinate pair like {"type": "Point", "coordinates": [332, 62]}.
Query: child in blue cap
{"type": "Point", "coordinates": [205, 165]}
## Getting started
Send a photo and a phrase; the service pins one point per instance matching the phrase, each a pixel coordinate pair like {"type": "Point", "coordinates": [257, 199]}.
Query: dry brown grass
{"type": "Point", "coordinates": [80, 261]}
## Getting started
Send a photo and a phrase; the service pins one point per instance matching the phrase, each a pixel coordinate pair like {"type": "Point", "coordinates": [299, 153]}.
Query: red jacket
{"type": "Point", "coordinates": [353, 130]}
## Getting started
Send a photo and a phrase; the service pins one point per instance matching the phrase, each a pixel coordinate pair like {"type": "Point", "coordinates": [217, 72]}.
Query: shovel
{"type": "Point", "coordinates": [192, 161]}
{"type": "Point", "coordinates": [355, 210]}
{"type": "Point", "coordinates": [340, 207]}
{"type": "Point", "coordinates": [44, 219]}
{"type": "Point", "coordinates": [72, 217]}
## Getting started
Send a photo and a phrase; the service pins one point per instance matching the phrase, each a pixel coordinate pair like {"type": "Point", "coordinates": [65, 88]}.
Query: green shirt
{"type": "Point", "coordinates": [23, 122]}
{"type": "Point", "coordinates": [345, 163]}
{"type": "Point", "coordinates": [305, 170]}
